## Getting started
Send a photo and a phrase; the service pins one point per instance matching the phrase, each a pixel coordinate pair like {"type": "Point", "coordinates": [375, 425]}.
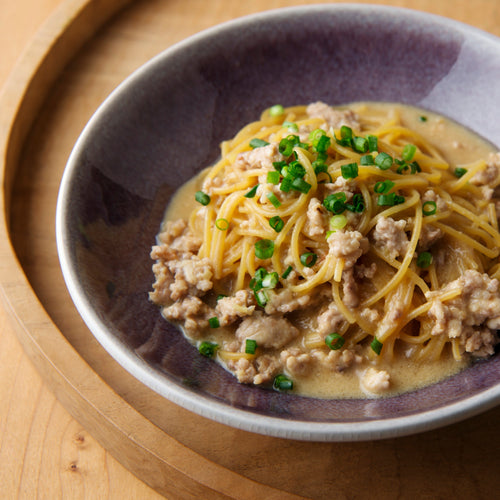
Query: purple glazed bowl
{"type": "Point", "coordinates": [165, 123]}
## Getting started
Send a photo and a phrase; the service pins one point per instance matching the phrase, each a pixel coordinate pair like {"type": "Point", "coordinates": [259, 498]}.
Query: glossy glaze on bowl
{"type": "Point", "coordinates": [165, 123]}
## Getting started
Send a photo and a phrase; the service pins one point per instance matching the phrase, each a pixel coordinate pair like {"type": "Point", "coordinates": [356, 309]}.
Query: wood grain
{"type": "Point", "coordinates": [45, 452]}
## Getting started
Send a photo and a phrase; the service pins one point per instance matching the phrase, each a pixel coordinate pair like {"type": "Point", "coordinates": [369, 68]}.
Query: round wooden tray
{"type": "Point", "coordinates": [84, 51]}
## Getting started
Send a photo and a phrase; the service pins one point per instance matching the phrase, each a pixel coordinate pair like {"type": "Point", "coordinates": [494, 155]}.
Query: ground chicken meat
{"type": "Point", "coordinates": [333, 117]}
{"type": "Point", "coordinates": [317, 218]}
{"type": "Point", "coordinates": [285, 301]}
{"type": "Point", "coordinates": [191, 276]}
{"type": "Point", "coordinates": [473, 316]}
{"type": "Point", "coordinates": [229, 309]}
{"type": "Point", "coordinates": [192, 313]}
{"type": "Point", "coordinates": [268, 331]}
{"type": "Point", "coordinates": [259, 158]}
{"type": "Point", "coordinates": [390, 236]}
{"type": "Point", "coordinates": [296, 362]}
{"type": "Point", "coordinates": [348, 245]}
{"type": "Point", "coordinates": [428, 236]}
{"type": "Point", "coordinates": [375, 381]}
{"type": "Point", "coordinates": [258, 371]}
{"type": "Point", "coordinates": [490, 175]}
{"type": "Point", "coordinates": [329, 320]}
{"type": "Point", "coordinates": [337, 360]}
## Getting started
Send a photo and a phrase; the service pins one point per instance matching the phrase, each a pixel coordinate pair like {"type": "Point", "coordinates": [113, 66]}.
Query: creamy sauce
{"type": "Point", "coordinates": [458, 146]}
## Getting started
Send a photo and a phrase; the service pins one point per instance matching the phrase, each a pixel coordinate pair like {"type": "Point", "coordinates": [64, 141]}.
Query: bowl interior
{"type": "Point", "coordinates": [165, 123]}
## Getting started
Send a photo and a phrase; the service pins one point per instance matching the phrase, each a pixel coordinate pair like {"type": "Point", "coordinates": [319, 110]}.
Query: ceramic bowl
{"type": "Point", "coordinates": [165, 123]}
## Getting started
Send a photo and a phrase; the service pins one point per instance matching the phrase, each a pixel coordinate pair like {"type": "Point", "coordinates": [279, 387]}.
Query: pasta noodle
{"type": "Point", "coordinates": [336, 240]}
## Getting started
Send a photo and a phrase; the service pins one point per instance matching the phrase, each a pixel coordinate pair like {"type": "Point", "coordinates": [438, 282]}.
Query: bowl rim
{"type": "Point", "coordinates": [202, 405]}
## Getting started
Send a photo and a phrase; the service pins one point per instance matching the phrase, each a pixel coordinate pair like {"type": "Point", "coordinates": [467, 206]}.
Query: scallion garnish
{"type": "Point", "coordinates": [308, 259]}
{"type": "Point", "coordinates": [383, 161]}
{"type": "Point", "coordinates": [278, 165]}
{"type": "Point", "coordinates": [252, 192]}
{"type": "Point", "coordinates": [322, 144]}
{"type": "Point", "coordinates": [376, 346]}
{"type": "Point", "coordinates": [338, 222]}
{"type": "Point", "coordinates": [291, 126]}
{"type": "Point", "coordinates": [222, 224]}
{"type": "Point", "coordinates": [295, 169]}
{"type": "Point", "coordinates": [214, 322]}
{"type": "Point", "coordinates": [360, 144]}
{"type": "Point", "coordinates": [408, 152]}
{"type": "Point", "coordinates": [424, 260]}
{"type": "Point", "coordinates": [288, 270]}
{"type": "Point", "coordinates": [390, 199]}
{"type": "Point", "coordinates": [383, 187]}
{"type": "Point", "coordinates": [459, 171]}
{"type": "Point", "coordinates": [270, 280]}
{"type": "Point", "coordinates": [276, 223]}
{"type": "Point", "coordinates": [273, 177]}
{"type": "Point", "coordinates": [264, 249]}
{"type": "Point", "coordinates": [276, 110]}
{"type": "Point", "coordinates": [282, 383]}
{"type": "Point", "coordinates": [372, 143]}
{"type": "Point", "coordinates": [335, 202]}
{"type": "Point", "coordinates": [273, 199]}
{"type": "Point", "coordinates": [301, 185]}
{"type": "Point", "coordinates": [366, 160]}
{"type": "Point", "coordinates": [202, 198]}
{"type": "Point", "coordinates": [207, 349]}
{"type": "Point", "coordinates": [429, 207]}
{"type": "Point", "coordinates": [422, 118]}
{"type": "Point", "coordinates": [334, 341]}
{"type": "Point", "coordinates": [258, 143]}
{"type": "Point", "coordinates": [261, 297]}
{"type": "Point", "coordinates": [349, 171]}
{"type": "Point", "coordinates": [250, 346]}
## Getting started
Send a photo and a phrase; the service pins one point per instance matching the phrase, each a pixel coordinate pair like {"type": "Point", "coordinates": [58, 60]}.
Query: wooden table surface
{"type": "Point", "coordinates": [45, 453]}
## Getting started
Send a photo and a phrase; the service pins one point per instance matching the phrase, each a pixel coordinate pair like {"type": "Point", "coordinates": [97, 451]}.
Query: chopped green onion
{"type": "Point", "coordinates": [287, 144]}
{"type": "Point", "coordinates": [390, 199]}
{"type": "Point", "coordinates": [366, 160]}
{"type": "Point", "coordinates": [264, 249]}
{"type": "Point", "coordinates": [214, 322]}
{"type": "Point", "coordinates": [291, 126]}
{"type": "Point", "coordinates": [295, 169]}
{"type": "Point", "coordinates": [288, 270]}
{"type": "Point", "coordinates": [261, 297]}
{"type": "Point", "coordinates": [415, 167]}
{"type": "Point", "coordinates": [282, 383]}
{"type": "Point", "coordinates": [376, 346]}
{"type": "Point", "coordinates": [258, 143]}
{"type": "Point", "coordinates": [273, 177]}
{"type": "Point", "coordinates": [250, 346]}
{"type": "Point", "coordinates": [278, 165]}
{"type": "Point", "coordinates": [270, 280]}
{"type": "Point", "coordinates": [382, 187]}
{"type": "Point", "coordinates": [346, 132]}
{"type": "Point", "coordinates": [429, 207]}
{"type": "Point", "coordinates": [383, 161]}
{"type": "Point", "coordinates": [202, 198]}
{"type": "Point", "coordinates": [338, 222]}
{"type": "Point", "coordinates": [360, 144]}
{"type": "Point", "coordinates": [334, 341]}
{"type": "Point", "coordinates": [286, 184]}
{"type": "Point", "coordinates": [273, 199]}
{"type": "Point", "coordinates": [459, 171]}
{"type": "Point", "coordinates": [220, 296]}
{"type": "Point", "coordinates": [335, 202]}
{"type": "Point", "coordinates": [424, 260]}
{"type": "Point", "coordinates": [276, 223]}
{"type": "Point", "coordinates": [408, 152]}
{"type": "Point", "coordinates": [322, 144]}
{"type": "Point", "coordinates": [357, 205]}
{"type": "Point", "coordinates": [301, 185]}
{"type": "Point", "coordinates": [372, 143]}
{"type": "Point", "coordinates": [252, 192]}
{"type": "Point", "coordinates": [349, 171]}
{"type": "Point", "coordinates": [276, 110]}
{"type": "Point", "coordinates": [308, 259]}
{"type": "Point", "coordinates": [422, 118]}
{"type": "Point", "coordinates": [222, 224]}
{"type": "Point", "coordinates": [207, 349]}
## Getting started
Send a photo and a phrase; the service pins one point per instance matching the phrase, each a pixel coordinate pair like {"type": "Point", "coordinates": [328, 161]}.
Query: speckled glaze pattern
{"type": "Point", "coordinates": [165, 123]}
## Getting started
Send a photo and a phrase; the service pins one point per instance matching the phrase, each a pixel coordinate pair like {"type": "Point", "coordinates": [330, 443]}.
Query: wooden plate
{"type": "Point", "coordinates": [85, 50]}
